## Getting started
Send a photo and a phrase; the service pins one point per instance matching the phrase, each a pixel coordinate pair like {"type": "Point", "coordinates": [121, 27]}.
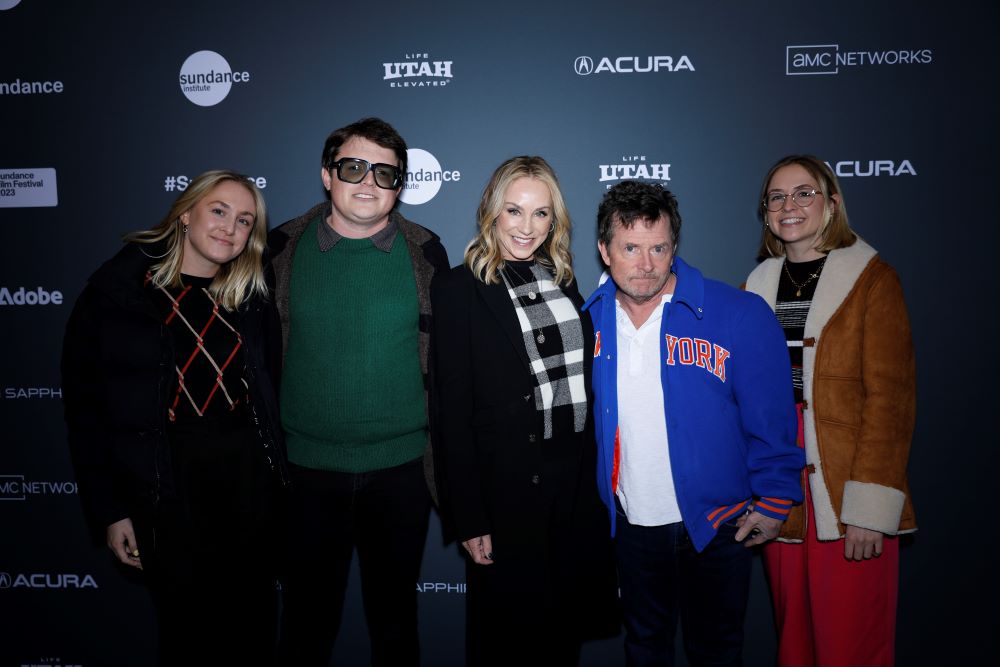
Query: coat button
{"type": "Point", "coordinates": [535, 479]}
{"type": "Point", "coordinates": [531, 438]}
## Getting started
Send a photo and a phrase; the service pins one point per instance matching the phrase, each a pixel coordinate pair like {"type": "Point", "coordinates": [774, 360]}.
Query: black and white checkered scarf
{"type": "Point", "coordinates": [551, 327]}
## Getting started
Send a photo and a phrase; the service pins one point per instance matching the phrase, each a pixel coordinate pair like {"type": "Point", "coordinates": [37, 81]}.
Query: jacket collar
{"type": "Point", "coordinates": [842, 269]}
{"type": "Point", "coordinates": [497, 299]}
{"type": "Point", "coordinates": [689, 290]}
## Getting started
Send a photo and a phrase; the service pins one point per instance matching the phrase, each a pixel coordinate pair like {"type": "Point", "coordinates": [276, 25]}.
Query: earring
{"type": "Point", "coordinates": [184, 229]}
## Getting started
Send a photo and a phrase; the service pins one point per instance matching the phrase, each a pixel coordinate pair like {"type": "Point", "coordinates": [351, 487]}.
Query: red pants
{"type": "Point", "coordinates": [832, 612]}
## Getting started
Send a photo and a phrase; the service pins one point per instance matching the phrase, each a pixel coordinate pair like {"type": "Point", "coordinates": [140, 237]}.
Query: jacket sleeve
{"type": "Point", "coordinates": [454, 438]}
{"type": "Point", "coordinates": [88, 434]}
{"type": "Point", "coordinates": [762, 381]}
{"type": "Point", "coordinates": [873, 495]}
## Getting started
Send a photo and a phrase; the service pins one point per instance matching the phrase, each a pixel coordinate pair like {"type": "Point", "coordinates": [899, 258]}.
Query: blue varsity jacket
{"type": "Point", "coordinates": [728, 403]}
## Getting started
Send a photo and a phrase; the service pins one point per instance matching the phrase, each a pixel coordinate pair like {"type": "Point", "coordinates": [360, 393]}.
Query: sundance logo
{"type": "Point", "coordinates": [46, 580]}
{"type": "Point", "coordinates": [585, 65]}
{"type": "Point", "coordinates": [206, 78]}
{"type": "Point", "coordinates": [828, 58]}
{"type": "Point", "coordinates": [424, 177]}
{"type": "Point", "coordinates": [21, 296]}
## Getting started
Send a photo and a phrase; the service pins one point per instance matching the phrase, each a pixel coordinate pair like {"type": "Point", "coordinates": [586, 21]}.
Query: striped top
{"type": "Point", "coordinates": [792, 307]}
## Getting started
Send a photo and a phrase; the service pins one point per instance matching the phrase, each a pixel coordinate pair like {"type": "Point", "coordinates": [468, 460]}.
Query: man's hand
{"type": "Point", "coordinates": [758, 527]}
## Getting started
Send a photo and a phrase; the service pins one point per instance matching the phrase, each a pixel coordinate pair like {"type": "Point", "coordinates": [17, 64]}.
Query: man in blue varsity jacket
{"type": "Point", "coordinates": [696, 426]}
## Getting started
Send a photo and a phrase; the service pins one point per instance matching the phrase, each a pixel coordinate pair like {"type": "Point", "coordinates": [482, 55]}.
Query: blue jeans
{"type": "Point", "coordinates": [663, 579]}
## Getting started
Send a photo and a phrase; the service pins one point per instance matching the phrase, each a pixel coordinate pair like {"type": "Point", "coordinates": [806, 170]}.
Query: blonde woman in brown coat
{"type": "Point", "coordinates": [834, 574]}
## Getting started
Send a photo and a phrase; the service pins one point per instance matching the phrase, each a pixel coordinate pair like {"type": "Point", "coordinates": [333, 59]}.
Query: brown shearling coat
{"type": "Point", "coordinates": [860, 388]}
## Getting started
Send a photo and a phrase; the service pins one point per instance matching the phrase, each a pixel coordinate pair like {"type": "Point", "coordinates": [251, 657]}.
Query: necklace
{"type": "Point", "coordinates": [813, 276]}
{"type": "Point", "coordinates": [507, 278]}
{"type": "Point", "coordinates": [509, 274]}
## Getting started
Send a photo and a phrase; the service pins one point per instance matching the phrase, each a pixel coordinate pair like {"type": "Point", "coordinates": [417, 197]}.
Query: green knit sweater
{"type": "Point", "coordinates": [352, 394]}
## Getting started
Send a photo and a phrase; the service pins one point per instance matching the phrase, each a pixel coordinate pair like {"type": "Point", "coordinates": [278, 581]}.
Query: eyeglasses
{"type": "Point", "coordinates": [775, 201]}
{"type": "Point", "coordinates": [354, 170]}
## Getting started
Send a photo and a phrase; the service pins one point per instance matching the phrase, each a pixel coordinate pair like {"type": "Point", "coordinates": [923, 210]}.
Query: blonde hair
{"type": "Point", "coordinates": [237, 279]}
{"type": "Point", "coordinates": [835, 232]}
{"type": "Point", "coordinates": [484, 254]}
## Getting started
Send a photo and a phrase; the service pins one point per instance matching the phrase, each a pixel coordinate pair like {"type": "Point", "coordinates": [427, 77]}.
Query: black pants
{"type": "Point", "coordinates": [384, 515]}
{"type": "Point", "coordinates": [665, 580]}
{"type": "Point", "coordinates": [209, 549]}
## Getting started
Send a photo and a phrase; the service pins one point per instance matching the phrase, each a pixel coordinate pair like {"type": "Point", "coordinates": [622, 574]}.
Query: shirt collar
{"type": "Point", "coordinates": [382, 239]}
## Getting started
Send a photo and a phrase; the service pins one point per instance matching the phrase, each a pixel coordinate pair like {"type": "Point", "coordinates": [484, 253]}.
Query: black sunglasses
{"type": "Point", "coordinates": [354, 170]}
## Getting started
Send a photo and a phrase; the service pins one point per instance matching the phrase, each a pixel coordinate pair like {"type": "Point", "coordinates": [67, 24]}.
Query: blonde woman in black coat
{"type": "Point", "coordinates": [172, 420]}
{"type": "Point", "coordinates": [514, 433]}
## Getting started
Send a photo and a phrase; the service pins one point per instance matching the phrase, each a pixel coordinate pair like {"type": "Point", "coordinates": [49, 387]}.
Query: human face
{"type": "Point", "coordinates": [639, 260]}
{"type": "Point", "coordinates": [798, 227]}
{"type": "Point", "coordinates": [525, 219]}
{"type": "Point", "coordinates": [360, 209]}
{"type": "Point", "coordinates": [218, 227]}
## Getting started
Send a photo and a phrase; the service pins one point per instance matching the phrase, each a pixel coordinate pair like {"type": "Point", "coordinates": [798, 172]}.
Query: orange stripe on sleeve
{"type": "Point", "coordinates": [733, 510]}
{"type": "Point", "coordinates": [773, 508]}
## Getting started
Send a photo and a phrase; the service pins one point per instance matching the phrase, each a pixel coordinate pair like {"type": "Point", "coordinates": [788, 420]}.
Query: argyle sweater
{"type": "Point", "coordinates": [208, 371]}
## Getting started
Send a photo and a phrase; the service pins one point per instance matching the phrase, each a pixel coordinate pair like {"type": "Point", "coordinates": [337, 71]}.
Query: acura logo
{"type": "Point", "coordinates": [4, 580]}
{"type": "Point", "coordinates": [584, 65]}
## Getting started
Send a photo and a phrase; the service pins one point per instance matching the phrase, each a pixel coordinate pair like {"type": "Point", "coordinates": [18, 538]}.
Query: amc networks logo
{"type": "Point", "coordinates": [16, 487]}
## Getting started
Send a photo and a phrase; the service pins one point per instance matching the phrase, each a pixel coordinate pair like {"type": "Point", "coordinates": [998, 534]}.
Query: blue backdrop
{"type": "Point", "coordinates": [106, 109]}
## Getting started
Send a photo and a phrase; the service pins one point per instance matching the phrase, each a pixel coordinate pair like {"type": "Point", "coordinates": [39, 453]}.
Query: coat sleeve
{"type": "Point", "coordinates": [454, 375]}
{"type": "Point", "coordinates": [87, 431]}
{"type": "Point", "coordinates": [762, 381]}
{"type": "Point", "coordinates": [874, 494]}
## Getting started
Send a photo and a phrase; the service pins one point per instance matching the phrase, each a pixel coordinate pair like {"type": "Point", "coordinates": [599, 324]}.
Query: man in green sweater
{"type": "Point", "coordinates": [351, 281]}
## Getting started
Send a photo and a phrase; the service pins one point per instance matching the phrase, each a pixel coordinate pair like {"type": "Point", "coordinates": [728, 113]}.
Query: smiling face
{"type": "Point", "coordinates": [525, 219]}
{"type": "Point", "coordinates": [217, 228]}
{"type": "Point", "coordinates": [798, 227]}
{"type": "Point", "coordinates": [360, 209]}
{"type": "Point", "coordinates": [639, 260]}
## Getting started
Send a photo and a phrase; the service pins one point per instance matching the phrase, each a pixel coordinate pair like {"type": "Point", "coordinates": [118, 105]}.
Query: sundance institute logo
{"type": "Point", "coordinates": [206, 78]}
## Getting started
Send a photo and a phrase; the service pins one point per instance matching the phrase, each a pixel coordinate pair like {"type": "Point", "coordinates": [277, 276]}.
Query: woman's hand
{"type": "Point", "coordinates": [862, 544]}
{"type": "Point", "coordinates": [480, 549]}
{"type": "Point", "coordinates": [121, 540]}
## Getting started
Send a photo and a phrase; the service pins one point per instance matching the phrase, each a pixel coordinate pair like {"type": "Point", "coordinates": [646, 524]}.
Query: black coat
{"type": "Point", "coordinates": [552, 573]}
{"type": "Point", "coordinates": [487, 429]}
{"type": "Point", "coordinates": [117, 369]}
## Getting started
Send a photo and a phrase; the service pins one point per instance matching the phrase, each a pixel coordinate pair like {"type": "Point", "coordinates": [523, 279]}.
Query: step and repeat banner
{"type": "Point", "coordinates": [108, 110]}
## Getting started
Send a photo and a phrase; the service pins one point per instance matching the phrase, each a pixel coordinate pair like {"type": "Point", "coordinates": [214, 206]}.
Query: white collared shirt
{"type": "Point", "coordinates": [645, 481]}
